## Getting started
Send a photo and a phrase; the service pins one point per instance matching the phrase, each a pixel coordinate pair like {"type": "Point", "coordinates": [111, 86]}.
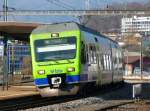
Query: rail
{"type": "Point", "coordinates": [31, 102]}
{"type": "Point", "coordinates": [134, 105]}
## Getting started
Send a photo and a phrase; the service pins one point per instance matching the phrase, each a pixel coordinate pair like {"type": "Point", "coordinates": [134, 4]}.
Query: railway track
{"type": "Point", "coordinates": [116, 105]}
{"type": "Point", "coordinates": [67, 103]}
{"type": "Point", "coordinates": [132, 105]}
{"type": "Point", "coordinates": [107, 99]}
{"type": "Point", "coordinates": [32, 101]}
{"type": "Point", "coordinates": [38, 101]}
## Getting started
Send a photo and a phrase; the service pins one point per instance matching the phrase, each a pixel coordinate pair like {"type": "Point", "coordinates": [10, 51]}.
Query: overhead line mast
{"type": "Point", "coordinates": [87, 4]}
{"type": "Point", "coordinates": [5, 9]}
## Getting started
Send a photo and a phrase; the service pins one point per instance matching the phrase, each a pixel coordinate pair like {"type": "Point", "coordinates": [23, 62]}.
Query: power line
{"type": "Point", "coordinates": [55, 2]}
{"type": "Point", "coordinates": [97, 4]}
{"type": "Point", "coordinates": [66, 4]}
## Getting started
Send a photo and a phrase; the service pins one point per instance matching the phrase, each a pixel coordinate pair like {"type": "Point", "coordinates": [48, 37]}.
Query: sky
{"type": "Point", "coordinates": [59, 4]}
{"type": "Point", "coordinates": [56, 5]}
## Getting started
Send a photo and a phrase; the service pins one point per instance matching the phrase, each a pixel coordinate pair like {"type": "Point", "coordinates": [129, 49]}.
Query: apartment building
{"type": "Point", "coordinates": [135, 25]}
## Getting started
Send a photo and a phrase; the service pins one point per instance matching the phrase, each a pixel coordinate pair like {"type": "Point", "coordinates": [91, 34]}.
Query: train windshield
{"type": "Point", "coordinates": [55, 48]}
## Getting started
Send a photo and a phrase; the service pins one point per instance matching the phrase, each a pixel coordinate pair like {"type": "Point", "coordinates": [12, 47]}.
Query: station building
{"type": "Point", "coordinates": [15, 51]}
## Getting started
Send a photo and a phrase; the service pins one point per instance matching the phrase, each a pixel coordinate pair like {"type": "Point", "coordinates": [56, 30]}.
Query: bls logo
{"type": "Point", "coordinates": [56, 71]}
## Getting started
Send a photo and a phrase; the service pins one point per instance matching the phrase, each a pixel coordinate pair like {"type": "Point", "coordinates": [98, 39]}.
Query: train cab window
{"type": "Point", "coordinates": [55, 49]}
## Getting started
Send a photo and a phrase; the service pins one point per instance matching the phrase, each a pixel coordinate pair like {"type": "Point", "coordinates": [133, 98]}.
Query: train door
{"type": "Point", "coordinates": [107, 65]}
{"type": "Point", "coordinates": [84, 62]}
{"type": "Point", "coordinates": [92, 64]}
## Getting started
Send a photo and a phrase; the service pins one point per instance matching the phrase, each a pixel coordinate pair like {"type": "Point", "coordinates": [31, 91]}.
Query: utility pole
{"type": "Point", "coordinates": [5, 9]}
{"type": "Point", "coordinates": [141, 56]}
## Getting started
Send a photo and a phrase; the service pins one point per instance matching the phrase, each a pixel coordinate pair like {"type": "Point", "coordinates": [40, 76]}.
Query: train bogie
{"type": "Point", "coordinates": [50, 92]}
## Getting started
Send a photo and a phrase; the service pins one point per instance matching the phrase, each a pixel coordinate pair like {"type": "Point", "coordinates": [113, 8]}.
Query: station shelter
{"type": "Point", "coordinates": [133, 67]}
{"type": "Point", "coordinates": [15, 57]}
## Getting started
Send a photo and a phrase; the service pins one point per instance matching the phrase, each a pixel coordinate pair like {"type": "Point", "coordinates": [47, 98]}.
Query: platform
{"type": "Point", "coordinates": [18, 91]}
{"type": "Point", "coordinates": [137, 79]}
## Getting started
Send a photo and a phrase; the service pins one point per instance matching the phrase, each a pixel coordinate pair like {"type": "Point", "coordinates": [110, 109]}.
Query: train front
{"type": "Point", "coordinates": [55, 62]}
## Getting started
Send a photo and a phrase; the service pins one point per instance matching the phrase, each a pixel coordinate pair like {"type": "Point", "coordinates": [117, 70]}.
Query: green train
{"type": "Point", "coordinates": [68, 56]}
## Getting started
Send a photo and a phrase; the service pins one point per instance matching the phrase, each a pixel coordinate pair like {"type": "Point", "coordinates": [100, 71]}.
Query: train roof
{"type": "Point", "coordinates": [65, 26]}
{"type": "Point", "coordinates": [56, 27]}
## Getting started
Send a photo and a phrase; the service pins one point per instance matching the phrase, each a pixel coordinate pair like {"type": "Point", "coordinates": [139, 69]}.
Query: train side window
{"type": "Point", "coordinates": [94, 55]}
{"type": "Point", "coordinates": [91, 54]}
{"type": "Point", "coordinates": [105, 62]}
{"type": "Point", "coordinates": [118, 60]}
{"type": "Point", "coordinates": [98, 55]}
{"type": "Point", "coordinates": [102, 61]}
{"type": "Point", "coordinates": [115, 62]}
{"type": "Point", "coordinates": [87, 53]}
{"type": "Point", "coordinates": [110, 65]}
{"type": "Point", "coordinates": [83, 56]}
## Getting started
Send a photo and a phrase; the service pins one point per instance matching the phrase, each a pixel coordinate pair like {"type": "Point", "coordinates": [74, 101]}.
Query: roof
{"type": "Point", "coordinates": [65, 26]}
{"type": "Point", "coordinates": [17, 27]}
{"type": "Point", "coordinates": [57, 27]}
{"type": "Point", "coordinates": [131, 59]}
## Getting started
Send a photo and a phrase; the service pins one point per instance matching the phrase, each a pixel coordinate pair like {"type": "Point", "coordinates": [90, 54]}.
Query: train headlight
{"type": "Point", "coordinates": [71, 69]}
{"type": "Point", "coordinates": [41, 72]}
{"type": "Point", "coordinates": [55, 35]}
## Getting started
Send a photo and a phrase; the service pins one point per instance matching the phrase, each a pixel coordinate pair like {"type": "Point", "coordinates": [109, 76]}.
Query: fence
{"type": "Point", "coordinates": [19, 63]}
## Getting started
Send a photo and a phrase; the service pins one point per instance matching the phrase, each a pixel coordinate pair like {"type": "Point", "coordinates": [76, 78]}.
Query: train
{"type": "Point", "coordinates": [67, 56]}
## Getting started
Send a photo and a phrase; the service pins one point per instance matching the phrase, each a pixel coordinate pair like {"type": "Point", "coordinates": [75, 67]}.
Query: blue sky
{"type": "Point", "coordinates": [56, 5]}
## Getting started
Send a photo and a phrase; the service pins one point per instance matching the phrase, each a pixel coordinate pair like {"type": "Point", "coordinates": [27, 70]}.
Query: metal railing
{"type": "Point", "coordinates": [19, 63]}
